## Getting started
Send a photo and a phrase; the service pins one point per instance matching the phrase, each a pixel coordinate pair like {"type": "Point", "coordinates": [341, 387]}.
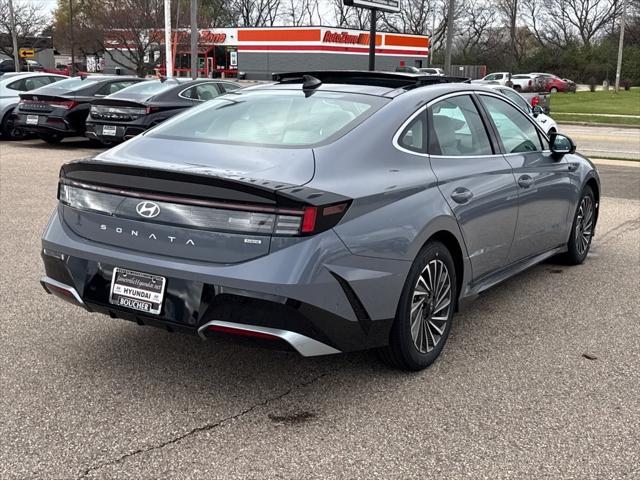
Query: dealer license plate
{"type": "Point", "coordinates": [109, 130]}
{"type": "Point", "coordinates": [137, 290]}
{"type": "Point", "coordinates": [32, 119]}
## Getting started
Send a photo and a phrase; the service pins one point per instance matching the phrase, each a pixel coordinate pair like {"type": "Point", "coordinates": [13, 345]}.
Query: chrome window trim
{"type": "Point", "coordinates": [396, 137]}
{"type": "Point", "coordinates": [194, 86]}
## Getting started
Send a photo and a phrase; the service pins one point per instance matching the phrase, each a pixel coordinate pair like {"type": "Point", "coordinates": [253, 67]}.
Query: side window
{"type": "Point", "coordinates": [412, 137]}
{"type": "Point", "coordinates": [517, 99]}
{"type": "Point", "coordinates": [55, 79]}
{"type": "Point", "coordinates": [517, 132]}
{"type": "Point", "coordinates": [206, 91]}
{"type": "Point", "coordinates": [490, 77]}
{"type": "Point", "coordinates": [229, 87]}
{"type": "Point", "coordinates": [35, 82]}
{"type": "Point", "coordinates": [498, 76]}
{"type": "Point", "coordinates": [17, 85]}
{"type": "Point", "coordinates": [189, 94]}
{"type": "Point", "coordinates": [113, 87]}
{"type": "Point", "coordinates": [456, 129]}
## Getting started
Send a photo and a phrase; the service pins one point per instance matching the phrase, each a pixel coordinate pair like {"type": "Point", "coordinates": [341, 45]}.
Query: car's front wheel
{"type": "Point", "coordinates": [584, 222]}
{"type": "Point", "coordinates": [424, 315]}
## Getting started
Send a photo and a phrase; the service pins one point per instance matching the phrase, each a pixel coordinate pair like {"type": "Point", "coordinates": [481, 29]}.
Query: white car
{"type": "Point", "coordinates": [498, 78]}
{"type": "Point", "coordinates": [11, 85]}
{"type": "Point", "coordinates": [545, 122]}
{"type": "Point", "coordinates": [438, 72]}
{"type": "Point", "coordinates": [525, 81]}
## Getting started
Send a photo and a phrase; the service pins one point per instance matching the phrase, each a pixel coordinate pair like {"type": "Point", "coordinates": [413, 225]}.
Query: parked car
{"type": "Point", "coordinates": [60, 110]}
{"type": "Point", "coordinates": [7, 65]}
{"type": "Point", "coordinates": [554, 84]}
{"type": "Point", "coordinates": [313, 213]}
{"type": "Point", "coordinates": [432, 71]}
{"type": "Point", "coordinates": [129, 112]}
{"type": "Point", "coordinates": [407, 70]}
{"type": "Point", "coordinates": [546, 123]}
{"type": "Point", "coordinates": [11, 85]}
{"type": "Point", "coordinates": [499, 78]}
{"type": "Point", "coordinates": [527, 82]}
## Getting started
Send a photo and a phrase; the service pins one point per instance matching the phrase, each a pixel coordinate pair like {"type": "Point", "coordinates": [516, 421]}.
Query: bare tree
{"type": "Point", "coordinates": [349, 17]}
{"type": "Point", "coordinates": [30, 21]}
{"type": "Point", "coordinates": [255, 13]}
{"type": "Point", "coordinates": [301, 12]}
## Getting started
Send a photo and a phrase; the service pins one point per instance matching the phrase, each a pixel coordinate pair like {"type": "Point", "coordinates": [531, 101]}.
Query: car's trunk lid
{"type": "Point", "coordinates": [201, 201]}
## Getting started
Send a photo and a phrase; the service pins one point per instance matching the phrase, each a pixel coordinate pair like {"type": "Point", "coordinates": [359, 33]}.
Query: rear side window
{"type": "Point", "coordinates": [228, 87]}
{"type": "Point", "coordinates": [30, 83]}
{"type": "Point", "coordinates": [272, 117]}
{"type": "Point", "coordinates": [412, 137]}
{"type": "Point", "coordinates": [456, 129]}
{"type": "Point", "coordinates": [206, 91]}
{"type": "Point", "coordinates": [517, 132]}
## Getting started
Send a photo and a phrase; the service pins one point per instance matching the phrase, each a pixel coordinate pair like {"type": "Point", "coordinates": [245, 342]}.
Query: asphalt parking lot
{"type": "Point", "coordinates": [539, 379]}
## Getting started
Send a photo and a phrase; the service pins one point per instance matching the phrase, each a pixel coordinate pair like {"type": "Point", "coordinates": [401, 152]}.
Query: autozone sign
{"type": "Point", "coordinates": [383, 5]}
{"type": "Point", "coordinates": [344, 37]}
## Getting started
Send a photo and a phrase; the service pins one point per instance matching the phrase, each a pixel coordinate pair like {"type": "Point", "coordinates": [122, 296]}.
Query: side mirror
{"type": "Point", "coordinates": [537, 110]}
{"type": "Point", "coordinates": [561, 144]}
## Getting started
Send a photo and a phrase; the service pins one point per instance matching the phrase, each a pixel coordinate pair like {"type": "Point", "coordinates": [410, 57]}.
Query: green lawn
{"type": "Point", "coordinates": [569, 118]}
{"type": "Point", "coordinates": [622, 103]}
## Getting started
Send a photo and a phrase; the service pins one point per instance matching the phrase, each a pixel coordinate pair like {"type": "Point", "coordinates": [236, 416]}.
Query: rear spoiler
{"type": "Point", "coordinates": [364, 77]}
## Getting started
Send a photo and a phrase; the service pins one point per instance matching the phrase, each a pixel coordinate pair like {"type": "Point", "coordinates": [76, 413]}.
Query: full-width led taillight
{"type": "Point", "coordinates": [64, 104]}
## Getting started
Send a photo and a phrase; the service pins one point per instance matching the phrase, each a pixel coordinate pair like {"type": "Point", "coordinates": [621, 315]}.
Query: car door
{"type": "Point", "coordinates": [544, 181]}
{"type": "Point", "coordinates": [475, 180]}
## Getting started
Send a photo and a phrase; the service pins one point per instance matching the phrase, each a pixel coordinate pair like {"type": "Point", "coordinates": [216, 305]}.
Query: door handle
{"type": "Point", "coordinates": [461, 195]}
{"type": "Point", "coordinates": [525, 181]}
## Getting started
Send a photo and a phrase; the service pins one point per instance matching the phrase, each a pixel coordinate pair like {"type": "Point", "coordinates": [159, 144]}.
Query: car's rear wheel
{"type": "Point", "coordinates": [584, 222]}
{"type": "Point", "coordinates": [9, 130]}
{"type": "Point", "coordinates": [424, 315]}
{"type": "Point", "coordinates": [51, 138]}
{"type": "Point", "coordinates": [553, 90]}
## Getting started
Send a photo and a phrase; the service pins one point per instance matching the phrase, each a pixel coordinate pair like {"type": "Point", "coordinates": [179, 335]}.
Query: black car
{"type": "Point", "coordinates": [133, 110]}
{"type": "Point", "coordinates": [60, 110]}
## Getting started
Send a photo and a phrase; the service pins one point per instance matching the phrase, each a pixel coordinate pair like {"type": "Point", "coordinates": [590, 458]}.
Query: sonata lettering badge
{"type": "Point", "coordinates": [137, 290]}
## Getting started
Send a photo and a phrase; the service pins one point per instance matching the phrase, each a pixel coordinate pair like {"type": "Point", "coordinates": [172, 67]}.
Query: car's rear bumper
{"type": "Point", "coordinates": [325, 301]}
{"type": "Point", "coordinates": [123, 132]}
{"type": "Point", "coordinates": [46, 124]}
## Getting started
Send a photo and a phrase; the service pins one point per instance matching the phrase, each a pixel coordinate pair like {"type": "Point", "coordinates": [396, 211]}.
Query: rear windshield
{"type": "Point", "coordinates": [272, 117]}
{"type": "Point", "coordinates": [71, 83]}
{"type": "Point", "coordinates": [145, 89]}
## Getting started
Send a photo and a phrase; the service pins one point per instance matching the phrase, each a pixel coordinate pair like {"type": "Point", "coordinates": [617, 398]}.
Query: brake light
{"type": "Point", "coordinates": [152, 110]}
{"type": "Point", "coordinates": [309, 220]}
{"type": "Point", "coordinates": [535, 101]}
{"type": "Point", "coordinates": [64, 104]}
{"type": "Point", "coordinates": [530, 82]}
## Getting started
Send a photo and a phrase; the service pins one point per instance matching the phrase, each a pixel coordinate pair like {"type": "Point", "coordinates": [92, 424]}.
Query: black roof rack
{"type": "Point", "coordinates": [363, 77]}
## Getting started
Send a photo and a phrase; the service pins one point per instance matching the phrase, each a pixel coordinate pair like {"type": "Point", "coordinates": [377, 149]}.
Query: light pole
{"type": "Point", "coordinates": [621, 44]}
{"type": "Point", "coordinates": [73, 46]}
{"type": "Point", "coordinates": [14, 36]}
{"type": "Point", "coordinates": [449, 45]}
{"type": "Point", "coordinates": [167, 39]}
{"type": "Point", "coordinates": [194, 39]}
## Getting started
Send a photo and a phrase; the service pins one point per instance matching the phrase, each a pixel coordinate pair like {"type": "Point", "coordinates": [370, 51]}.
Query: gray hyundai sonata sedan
{"type": "Point", "coordinates": [326, 212]}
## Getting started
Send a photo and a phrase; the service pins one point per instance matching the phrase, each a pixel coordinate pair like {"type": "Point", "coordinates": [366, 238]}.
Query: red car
{"type": "Point", "coordinates": [556, 84]}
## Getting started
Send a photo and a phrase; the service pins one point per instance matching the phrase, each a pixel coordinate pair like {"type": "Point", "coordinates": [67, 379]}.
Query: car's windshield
{"type": "Point", "coordinates": [71, 83]}
{"type": "Point", "coordinates": [145, 89]}
{"type": "Point", "coordinates": [272, 117]}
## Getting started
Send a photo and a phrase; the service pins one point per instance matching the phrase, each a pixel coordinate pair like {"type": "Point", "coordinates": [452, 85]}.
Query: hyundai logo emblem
{"type": "Point", "coordinates": [148, 209]}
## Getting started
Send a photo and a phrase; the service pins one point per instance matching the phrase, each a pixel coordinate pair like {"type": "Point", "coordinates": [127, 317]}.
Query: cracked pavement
{"type": "Point", "coordinates": [540, 377]}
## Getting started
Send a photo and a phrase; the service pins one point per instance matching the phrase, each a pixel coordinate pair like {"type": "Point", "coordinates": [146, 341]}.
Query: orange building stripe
{"type": "Point", "coordinates": [279, 35]}
{"type": "Point", "coordinates": [406, 41]}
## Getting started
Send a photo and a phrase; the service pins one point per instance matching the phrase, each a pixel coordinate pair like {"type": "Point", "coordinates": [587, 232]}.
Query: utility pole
{"type": "Point", "coordinates": [194, 39]}
{"type": "Point", "coordinates": [168, 62]}
{"type": "Point", "coordinates": [449, 45]}
{"type": "Point", "coordinates": [433, 34]}
{"type": "Point", "coordinates": [372, 40]}
{"type": "Point", "coordinates": [621, 44]}
{"type": "Point", "coordinates": [73, 46]}
{"type": "Point", "coordinates": [14, 36]}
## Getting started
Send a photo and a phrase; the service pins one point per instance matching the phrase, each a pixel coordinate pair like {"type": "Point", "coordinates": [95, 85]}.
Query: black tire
{"type": "Point", "coordinates": [517, 87]}
{"type": "Point", "coordinates": [403, 351]}
{"type": "Point", "coordinates": [8, 130]}
{"type": "Point", "coordinates": [583, 223]}
{"type": "Point", "coordinates": [50, 138]}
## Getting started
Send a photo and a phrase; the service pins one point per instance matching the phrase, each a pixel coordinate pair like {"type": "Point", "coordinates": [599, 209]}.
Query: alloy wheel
{"type": "Point", "coordinates": [584, 225]}
{"type": "Point", "coordinates": [430, 306]}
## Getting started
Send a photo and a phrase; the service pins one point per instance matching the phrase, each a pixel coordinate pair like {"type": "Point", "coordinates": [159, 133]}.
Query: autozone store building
{"type": "Point", "coordinates": [259, 52]}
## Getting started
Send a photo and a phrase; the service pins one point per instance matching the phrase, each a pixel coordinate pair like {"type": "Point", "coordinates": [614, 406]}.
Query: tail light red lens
{"type": "Point", "coordinates": [64, 104]}
{"type": "Point", "coordinates": [309, 219]}
{"type": "Point", "coordinates": [535, 101]}
{"type": "Point", "coordinates": [530, 82]}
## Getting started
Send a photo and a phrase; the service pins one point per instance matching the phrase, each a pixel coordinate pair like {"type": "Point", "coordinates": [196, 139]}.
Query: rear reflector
{"type": "Point", "coordinates": [244, 333]}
